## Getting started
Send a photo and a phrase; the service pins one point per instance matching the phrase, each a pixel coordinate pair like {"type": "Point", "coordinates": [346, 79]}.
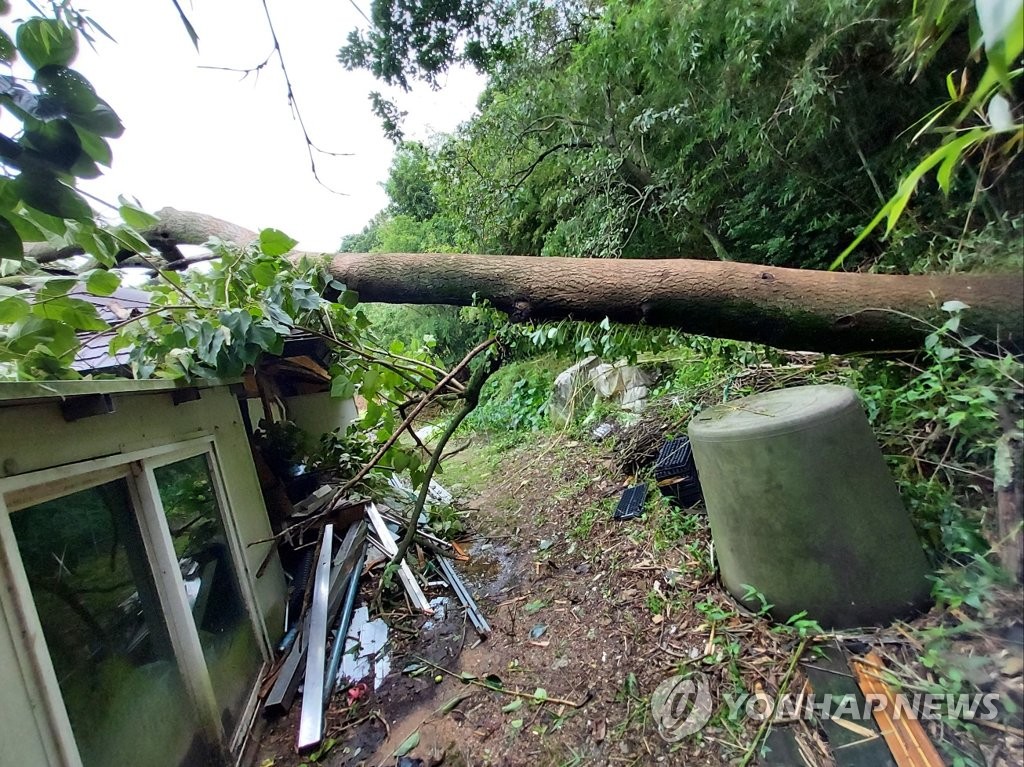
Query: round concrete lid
{"type": "Point", "coordinates": [772, 413]}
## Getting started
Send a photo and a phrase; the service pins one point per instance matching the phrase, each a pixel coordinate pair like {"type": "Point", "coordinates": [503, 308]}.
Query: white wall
{"type": "Point", "coordinates": [36, 436]}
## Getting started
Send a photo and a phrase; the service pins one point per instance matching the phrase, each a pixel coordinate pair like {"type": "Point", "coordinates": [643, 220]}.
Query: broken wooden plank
{"type": "Point", "coordinates": [287, 683]}
{"type": "Point", "coordinates": [906, 738]}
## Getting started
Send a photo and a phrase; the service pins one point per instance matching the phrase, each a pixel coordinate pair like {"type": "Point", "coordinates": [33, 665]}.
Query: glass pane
{"type": "Point", "coordinates": [225, 630]}
{"type": "Point", "coordinates": [107, 638]}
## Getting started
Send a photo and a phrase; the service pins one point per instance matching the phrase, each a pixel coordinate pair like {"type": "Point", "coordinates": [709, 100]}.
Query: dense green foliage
{"type": "Point", "coordinates": [58, 129]}
{"type": "Point", "coordinates": [769, 133]}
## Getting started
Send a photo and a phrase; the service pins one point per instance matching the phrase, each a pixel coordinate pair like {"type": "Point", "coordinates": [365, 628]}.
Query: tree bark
{"type": "Point", "coordinates": [798, 309]}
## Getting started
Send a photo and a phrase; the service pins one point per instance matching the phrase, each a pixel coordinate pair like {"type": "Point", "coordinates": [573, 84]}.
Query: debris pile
{"type": "Point", "coordinates": [330, 546]}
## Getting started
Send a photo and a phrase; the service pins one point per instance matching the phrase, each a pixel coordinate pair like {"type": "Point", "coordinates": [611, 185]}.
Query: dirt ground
{"type": "Point", "coordinates": [589, 615]}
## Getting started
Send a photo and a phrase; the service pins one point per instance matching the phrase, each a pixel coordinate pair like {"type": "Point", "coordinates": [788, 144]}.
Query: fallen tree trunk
{"type": "Point", "coordinates": [797, 309]}
{"type": "Point", "coordinates": [788, 308]}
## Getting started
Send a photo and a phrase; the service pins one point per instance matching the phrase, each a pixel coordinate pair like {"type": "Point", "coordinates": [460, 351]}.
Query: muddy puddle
{"type": "Point", "coordinates": [491, 570]}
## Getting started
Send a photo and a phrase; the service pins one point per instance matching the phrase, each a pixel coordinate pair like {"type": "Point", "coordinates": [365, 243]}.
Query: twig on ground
{"type": "Point", "coordinates": [505, 690]}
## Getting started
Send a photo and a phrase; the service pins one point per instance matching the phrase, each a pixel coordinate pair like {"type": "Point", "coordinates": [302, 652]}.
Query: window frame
{"type": "Point", "coordinates": [17, 604]}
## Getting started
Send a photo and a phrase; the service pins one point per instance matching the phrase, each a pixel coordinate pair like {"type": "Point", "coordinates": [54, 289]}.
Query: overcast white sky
{"type": "Point", "coordinates": [203, 140]}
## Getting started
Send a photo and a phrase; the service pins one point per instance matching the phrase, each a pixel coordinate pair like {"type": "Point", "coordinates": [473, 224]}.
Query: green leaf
{"type": "Point", "coordinates": [452, 704]}
{"type": "Point", "coordinates": [47, 194]}
{"type": "Point", "coordinates": [274, 242]}
{"type": "Point", "coordinates": [101, 120]}
{"type": "Point", "coordinates": [265, 338]}
{"type": "Point", "coordinates": [130, 239]}
{"type": "Point", "coordinates": [8, 53]}
{"type": "Point", "coordinates": [10, 241]}
{"type": "Point", "coordinates": [26, 229]}
{"type": "Point", "coordinates": [99, 244]}
{"type": "Point", "coordinates": [42, 222]}
{"type": "Point", "coordinates": [513, 706]}
{"type": "Point", "coordinates": [342, 387]}
{"type": "Point", "coordinates": [951, 87]}
{"type": "Point", "coordinates": [50, 287]}
{"type": "Point", "coordinates": [43, 42]}
{"type": "Point", "coordinates": [32, 331]}
{"type": "Point", "coordinates": [135, 216]}
{"type": "Point", "coordinates": [94, 146]}
{"type": "Point", "coordinates": [74, 312]}
{"type": "Point", "coordinates": [540, 694]}
{"type": "Point", "coordinates": [349, 299]}
{"type": "Point", "coordinates": [408, 744]}
{"type": "Point", "coordinates": [85, 167]}
{"type": "Point", "coordinates": [13, 309]}
{"type": "Point", "coordinates": [264, 273]}
{"type": "Point", "coordinates": [516, 724]}
{"type": "Point", "coordinates": [535, 606]}
{"type": "Point", "coordinates": [100, 282]}
{"type": "Point", "coordinates": [400, 460]}
{"type": "Point", "coordinates": [494, 681]}
{"type": "Point", "coordinates": [370, 383]}
{"type": "Point", "coordinates": [68, 88]}
{"type": "Point", "coordinates": [55, 141]}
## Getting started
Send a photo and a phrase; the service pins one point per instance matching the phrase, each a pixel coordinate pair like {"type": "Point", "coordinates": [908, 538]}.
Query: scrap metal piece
{"type": "Point", "coordinates": [287, 683]}
{"type": "Point", "coordinates": [86, 406]}
{"type": "Point", "coordinates": [311, 723]}
{"type": "Point", "coordinates": [367, 649]}
{"type": "Point", "coordinates": [387, 541]}
{"type": "Point", "coordinates": [479, 622]}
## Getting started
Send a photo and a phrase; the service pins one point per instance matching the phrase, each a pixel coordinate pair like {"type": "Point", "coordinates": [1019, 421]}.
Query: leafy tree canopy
{"type": "Point", "coordinates": [769, 132]}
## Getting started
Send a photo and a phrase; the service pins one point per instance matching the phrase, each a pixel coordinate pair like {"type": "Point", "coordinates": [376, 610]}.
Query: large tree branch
{"type": "Point", "coordinates": [176, 227]}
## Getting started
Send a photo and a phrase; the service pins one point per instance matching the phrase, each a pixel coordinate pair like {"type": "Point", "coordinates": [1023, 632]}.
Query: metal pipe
{"type": "Point", "coordinates": [341, 636]}
{"type": "Point", "coordinates": [311, 723]}
{"type": "Point", "coordinates": [288, 639]}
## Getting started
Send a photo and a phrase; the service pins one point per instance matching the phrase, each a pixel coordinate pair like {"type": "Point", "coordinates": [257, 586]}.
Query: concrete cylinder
{"type": "Point", "coordinates": [804, 510]}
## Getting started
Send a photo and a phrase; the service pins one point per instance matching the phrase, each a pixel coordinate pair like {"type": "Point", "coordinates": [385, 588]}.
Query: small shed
{"type": "Point", "coordinates": [140, 593]}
